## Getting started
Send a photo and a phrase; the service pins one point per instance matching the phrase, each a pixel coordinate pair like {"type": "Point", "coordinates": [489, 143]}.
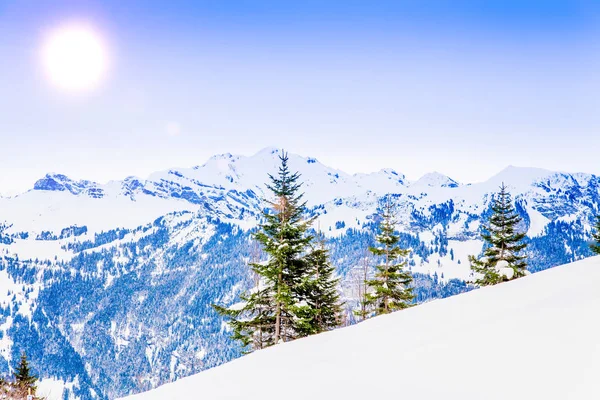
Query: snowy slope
{"type": "Point", "coordinates": [534, 338]}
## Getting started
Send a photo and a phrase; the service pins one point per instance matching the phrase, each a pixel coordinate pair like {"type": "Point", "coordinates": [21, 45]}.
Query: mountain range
{"type": "Point", "coordinates": [108, 287]}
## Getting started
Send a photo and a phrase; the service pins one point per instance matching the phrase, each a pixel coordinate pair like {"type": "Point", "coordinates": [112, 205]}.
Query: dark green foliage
{"type": "Point", "coordinates": [22, 384]}
{"type": "Point", "coordinates": [504, 243]}
{"type": "Point", "coordinates": [596, 237]}
{"type": "Point", "coordinates": [389, 290]}
{"type": "Point", "coordinates": [24, 379]}
{"type": "Point", "coordinates": [294, 293]}
{"type": "Point", "coordinates": [319, 288]}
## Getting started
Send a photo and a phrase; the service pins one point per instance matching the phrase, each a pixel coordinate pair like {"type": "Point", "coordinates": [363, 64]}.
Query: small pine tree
{"type": "Point", "coordinates": [596, 237]}
{"type": "Point", "coordinates": [390, 287]}
{"type": "Point", "coordinates": [24, 382]}
{"type": "Point", "coordinates": [252, 319]}
{"type": "Point", "coordinates": [504, 243]}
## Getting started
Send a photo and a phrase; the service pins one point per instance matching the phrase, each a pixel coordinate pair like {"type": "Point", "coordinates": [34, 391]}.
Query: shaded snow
{"type": "Point", "coordinates": [537, 224]}
{"type": "Point", "coordinates": [541, 330]}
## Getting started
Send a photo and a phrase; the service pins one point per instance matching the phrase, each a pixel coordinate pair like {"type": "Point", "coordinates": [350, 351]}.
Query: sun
{"type": "Point", "coordinates": [75, 57]}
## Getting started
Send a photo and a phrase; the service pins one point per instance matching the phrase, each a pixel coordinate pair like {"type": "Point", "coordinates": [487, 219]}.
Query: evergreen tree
{"type": "Point", "coordinates": [596, 237]}
{"type": "Point", "coordinates": [24, 382]}
{"type": "Point", "coordinates": [319, 288]}
{"type": "Point", "coordinates": [293, 295]}
{"type": "Point", "coordinates": [390, 287]}
{"type": "Point", "coordinates": [252, 320]}
{"type": "Point", "coordinates": [504, 244]}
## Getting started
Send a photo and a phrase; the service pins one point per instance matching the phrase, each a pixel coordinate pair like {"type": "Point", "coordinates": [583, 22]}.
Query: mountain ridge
{"type": "Point", "coordinates": [228, 158]}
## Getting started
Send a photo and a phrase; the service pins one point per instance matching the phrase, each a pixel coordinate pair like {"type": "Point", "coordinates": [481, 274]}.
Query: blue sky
{"type": "Point", "coordinates": [462, 87]}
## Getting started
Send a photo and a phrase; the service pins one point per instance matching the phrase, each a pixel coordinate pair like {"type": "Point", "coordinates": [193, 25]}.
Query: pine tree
{"type": "Point", "coordinates": [596, 237]}
{"type": "Point", "coordinates": [24, 380]}
{"type": "Point", "coordinates": [504, 244]}
{"type": "Point", "coordinates": [319, 288]}
{"type": "Point", "coordinates": [390, 287]}
{"type": "Point", "coordinates": [288, 301]}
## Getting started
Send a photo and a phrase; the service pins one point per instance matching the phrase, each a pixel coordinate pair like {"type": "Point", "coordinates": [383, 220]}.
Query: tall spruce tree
{"type": "Point", "coordinates": [390, 287]}
{"type": "Point", "coordinates": [504, 244]}
{"type": "Point", "coordinates": [596, 237]}
{"type": "Point", "coordinates": [292, 297]}
{"type": "Point", "coordinates": [24, 379]}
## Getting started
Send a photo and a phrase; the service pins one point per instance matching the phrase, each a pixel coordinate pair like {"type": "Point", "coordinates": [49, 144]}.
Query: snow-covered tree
{"type": "Point", "coordinates": [596, 237]}
{"type": "Point", "coordinates": [295, 291]}
{"type": "Point", "coordinates": [502, 260]}
{"type": "Point", "coordinates": [389, 289]}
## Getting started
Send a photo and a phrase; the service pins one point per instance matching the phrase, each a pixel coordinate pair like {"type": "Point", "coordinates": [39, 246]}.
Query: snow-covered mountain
{"type": "Point", "coordinates": [109, 286]}
{"type": "Point", "coordinates": [533, 338]}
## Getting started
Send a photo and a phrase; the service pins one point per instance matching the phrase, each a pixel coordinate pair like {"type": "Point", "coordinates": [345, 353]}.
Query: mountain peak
{"type": "Point", "coordinates": [55, 182]}
{"type": "Point", "coordinates": [62, 183]}
{"type": "Point", "coordinates": [390, 171]}
{"type": "Point", "coordinates": [436, 179]}
{"type": "Point", "coordinates": [268, 151]}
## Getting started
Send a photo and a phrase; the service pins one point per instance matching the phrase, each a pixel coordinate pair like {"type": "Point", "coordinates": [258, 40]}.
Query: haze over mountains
{"type": "Point", "coordinates": [116, 280]}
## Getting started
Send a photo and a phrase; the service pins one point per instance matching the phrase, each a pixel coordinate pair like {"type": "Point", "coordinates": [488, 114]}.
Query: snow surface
{"type": "Point", "coordinates": [434, 179]}
{"type": "Point", "coordinates": [532, 338]}
{"type": "Point", "coordinates": [53, 389]}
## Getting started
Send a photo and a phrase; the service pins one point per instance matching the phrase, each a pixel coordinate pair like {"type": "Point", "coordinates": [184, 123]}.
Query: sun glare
{"type": "Point", "coordinates": [75, 57]}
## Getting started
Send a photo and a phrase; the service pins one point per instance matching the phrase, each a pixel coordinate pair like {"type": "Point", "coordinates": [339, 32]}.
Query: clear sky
{"type": "Point", "coordinates": [462, 87]}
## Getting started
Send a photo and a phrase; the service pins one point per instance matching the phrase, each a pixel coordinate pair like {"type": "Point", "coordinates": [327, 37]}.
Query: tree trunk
{"type": "Point", "coordinates": [278, 312]}
{"type": "Point", "coordinates": [385, 297]}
